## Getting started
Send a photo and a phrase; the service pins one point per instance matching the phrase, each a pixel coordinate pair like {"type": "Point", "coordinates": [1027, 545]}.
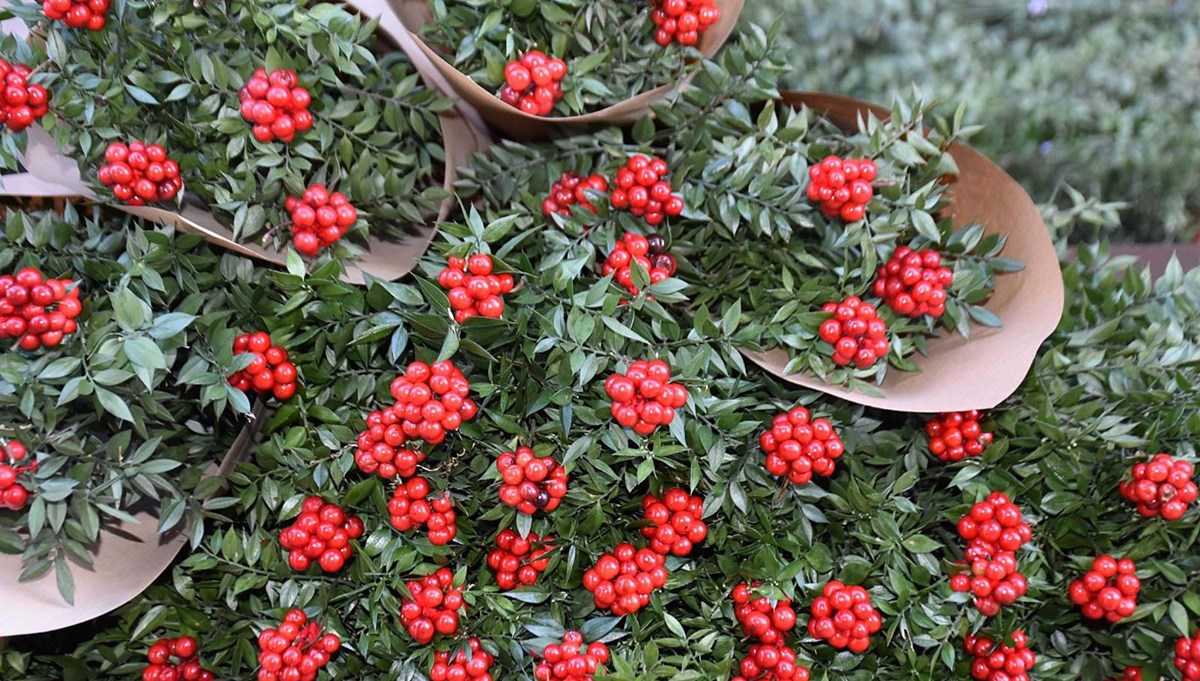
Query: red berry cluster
{"type": "Point", "coordinates": [295, 650]}
{"type": "Point", "coordinates": [799, 447]}
{"type": "Point", "coordinates": [644, 397]}
{"type": "Point", "coordinates": [13, 494]}
{"type": "Point", "coordinates": [322, 532]}
{"type": "Point", "coordinates": [771, 663]}
{"type": "Point", "coordinates": [36, 310]}
{"type": "Point", "coordinates": [760, 619]}
{"type": "Point", "coordinates": [531, 483]}
{"type": "Point", "coordinates": [623, 580]}
{"type": "Point", "coordinates": [87, 14]}
{"type": "Point", "coordinates": [1109, 590]}
{"type": "Point", "coordinates": [276, 105]}
{"type": "Point", "coordinates": [914, 283]}
{"type": "Point", "coordinates": [1130, 673]}
{"type": "Point", "coordinates": [434, 607]}
{"type": "Point", "coordinates": [994, 530]}
{"type": "Point", "coordinates": [571, 190]}
{"type": "Point", "coordinates": [1187, 657]}
{"type": "Point", "coordinates": [460, 667]}
{"type": "Point", "coordinates": [319, 218]}
{"type": "Point", "coordinates": [140, 173]}
{"type": "Point", "coordinates": [382, 450]}
{"type": "Point", "coordinates": [856, 333]}
{"type": "Point", "coordinates": [533, 83]}
{"type": "Point", "coordinates": [21, 103]}
{"type": "Point", "coordinates": [649, 252]}
{"type": "Point", "coordinates": [1163, 486]}
{"type": "Point", "coordinates": [187, 668]}
{"type": "Point", "coordinates": [570, 661]}
{"type": "Point", "coordinates": [842, 187]}
{"type": "Point", "coordinates": [409, 510]}
{"type": "Point", "coordinates": [432, 399]}
{"type": "Point", "coordinates": [955, 435]}
{"type": "Point", "coordinates": [517, 561]}
{"type": "Point", "coordinates": [677, 522]}
{"type": "Point", "coordinates": [994, 662]}
{"type": "Point", "coordinates": [473, 289]}
{"type": "Point", "coordinates": [269, 371]}
{"type": "Point", "coordinates": [844, 617]}
{"type": "Point", "coordinates": [642, 189]}
{"type": "Point", "coordinates": [683, 21]}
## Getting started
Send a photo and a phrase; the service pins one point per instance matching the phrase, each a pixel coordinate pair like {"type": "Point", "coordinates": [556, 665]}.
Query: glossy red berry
{"type": "Point", "coordinates": [842, 187]}
{"type": "Point", "coordinates": [531, 483]}
{"type": "Point", "coordinates": [295, 650]}
{"type": "Point", "coordinates": [677, 524]}
{"type": "Point", "coordinates": [572, 190]}
{"type": "Point", "coordinates": [78, 14]}
{"type": "Point", "coordinates": [432, 400]}
{"type": "Point", "coordinates": [571, 660]}
{"type": "Point", "coordinates": [175, 659]}
{"type": "Point", "coordinates": [643, 189]}
{"type": "Point", "coordinates": [1162, 486]}
{"type": "Point", "coordinates": [994, 531]}
{"type": "Point", "coordinates": [954, 436]}
{"type": "Point", "coordinates": [320, 534]}
{"type": "Point", "coordinates": [275, 105]}
{"type": "Point", "coordinates": [533, 83]}
{"type": "Point", "coordinates": [21, 103]}
{"type": "Point", "coordinates": [472, 288]}
{"type": "Point", "coordinates": [411, 507]}
{"type": "Point", "coordinates": [434, 607]}
{"type": "Point", "coordinates": [623, 580]}
{"type": "Point", "coordinates": [856, 333]}
{"type": "Point", "coordinates": [136, 180]}
{"type": "Point", "coordinates": [844, 618]}
{"type": "Point", "coordinates": [319, 218]}
{"type": "Point", "coordinates": [643, 398]}
{"type": "Point", "coordinates": [269, 372]}
{"type": "Point", "coordinates": [517, 561]}
{"type": "Point", "coordinates": [682, 21]}
{"type": "Point", "coordinates": [648, 252]}
{"type": "Point", "coordinates": [995, 661]}
{"type": "Point", "coordinates": [1108, 591]}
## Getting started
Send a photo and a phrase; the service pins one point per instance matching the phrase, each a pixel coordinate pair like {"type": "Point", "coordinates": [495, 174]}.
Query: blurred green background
{"type": "Point", "coordinates": [1100, 96]}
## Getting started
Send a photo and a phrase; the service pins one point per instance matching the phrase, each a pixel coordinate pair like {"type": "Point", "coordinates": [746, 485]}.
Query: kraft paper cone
{"type": "Point", "coordinates": [388, 259]}
{"type": "Point", "coordinates": [127, 558]}
{"type": "Point", "coordinates": [519, 125]}
{"type": "Point", "coordinates": [958, 373]}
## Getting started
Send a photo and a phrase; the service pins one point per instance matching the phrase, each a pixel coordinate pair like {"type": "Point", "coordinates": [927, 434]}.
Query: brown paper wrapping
{"type": "Point", "coordinates": [519, 125]}
{"type": "Point", "coordinates": [959, 373]}
{"type": "Point", "coordinates": [388, 259]}
{"type": "Point", "coordinates": [127, 558]}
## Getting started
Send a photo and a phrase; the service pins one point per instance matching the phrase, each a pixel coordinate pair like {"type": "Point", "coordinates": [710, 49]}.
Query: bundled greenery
{"type": "Point", "coordinates": [1115, 382]}
{"type": "Point", "coordinates": [608, 46]}
{"type": "Point", "coordinates": [376, 135]}
{"type": "Point", "coordinates": [1099, 95]}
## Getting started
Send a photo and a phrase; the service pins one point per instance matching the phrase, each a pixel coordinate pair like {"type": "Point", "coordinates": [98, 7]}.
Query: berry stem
{"type": "Point", "coordinates": [33, 72]}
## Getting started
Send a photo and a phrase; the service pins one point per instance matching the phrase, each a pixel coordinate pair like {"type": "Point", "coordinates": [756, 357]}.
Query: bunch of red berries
{"type": "Point", "coordinates": [623, 580]}
{"type": "Point", "coordinates": [644, 397]}
{"type": "Point", "coordinates": [322, 532]}
{"type": "Point", "coordinates": [1130, 673]}
{"type": "Point", "coordinates": [642, 189]}
{"type": "Point", "coordinates": [856, 333]}
{"type": "Point", "coordinates": [319, 218]}
{"type": "Point", "coordinates": [844, 617]}
{"type": "Point", "coordinates": [13, 495]}
{"type": "Point", "coordinates": [295, 650]}
{"type": "Point", "coordinates": [955, 435]}
{"type": "Point", "coordinates": [842, 187]}
{"type": "Point", "coordinates": [1109, 590]}
{"type": "Point", "coordinates": [434, 607]}
{"type": "Point", "coordinates": [87, 14]}
{"type": "Point", "coordinates": [533, 83]}
{"type": "Point", "coordinates": [185, 668]}
{"type": "Point", "coordinates": [381, 447]}
{"type": "Point", "coordinates": [570, 661]}
{"type": "Point", "coordinates": [571, 190]}
{"type": "Point", "coordinates": [409, 510]}
{"type": "Point", "coordinates": [473, 289]}
{"type": "Point", "coordinates": [460, 667]}
{"type": "Point", "coordinates": [1187, 657]}
{"type": "Point", "coordinates": [140, 173]}
{"type": "Point", "coordinates": [36, 310]}
{"type": "Point", "coordinates": [1163, 486]}
{"type": "Point", "coordinates": [913, 283]}
{"type": "Point", "coordinates": [531, 483]}
{"type": "Point", "coordinates": [21, 103]}
{"type": "Point", "coordinates": [649, 252]}
{"type": "Point", "coordinates": [760, 619]}
{"type": "Point", "coordinates": [682, 21]}
{"type": "Point", "coordinates": [517, 561]}
{"type": "Point", "coordinates": [799, 446]}
{"type": "Point", "coordinates": [994, 530]}
{"type": "Point", "coordinates": [269, 371]}
{"type": "Point", "coordinates": [996, 662]}
{"type": "Point", "coordinates": [767, 662]}
{"type": "Point", "coordinates": [432, 399]}
{"type": "Point", "coordinates": [677, 522]}
{"type": "Point", "coordinates": [276, 105]}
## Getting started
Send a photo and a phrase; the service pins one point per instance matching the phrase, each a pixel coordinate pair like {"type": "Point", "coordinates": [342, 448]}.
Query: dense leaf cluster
{"type": "Point", "coordinates": [376, 136]}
